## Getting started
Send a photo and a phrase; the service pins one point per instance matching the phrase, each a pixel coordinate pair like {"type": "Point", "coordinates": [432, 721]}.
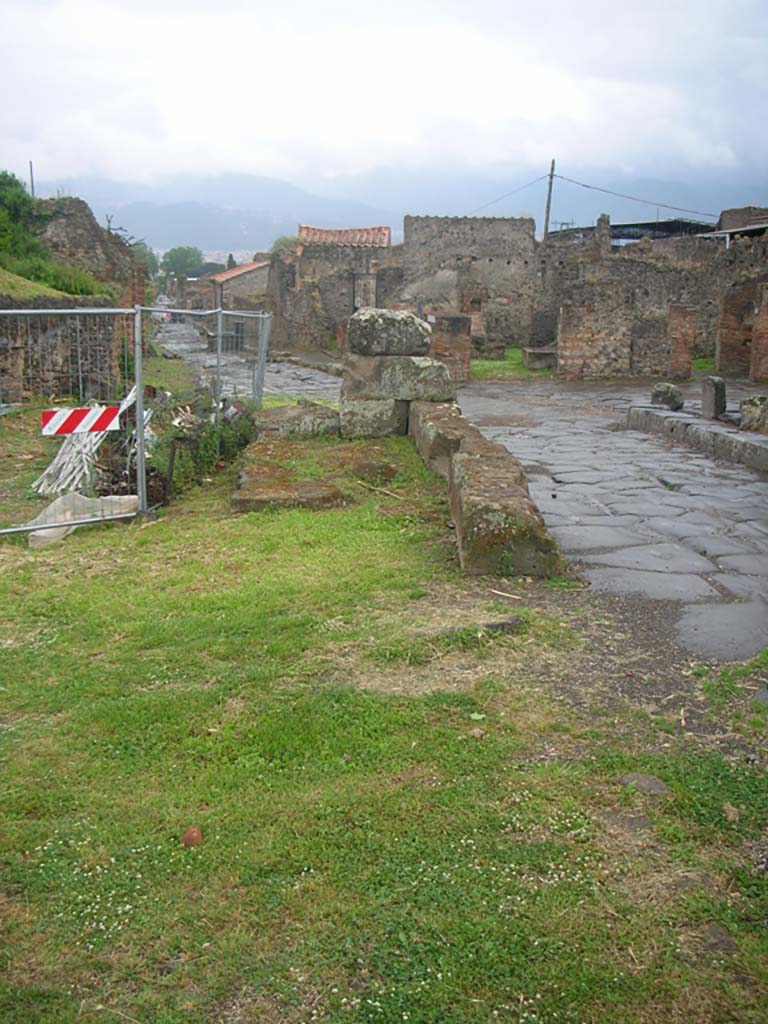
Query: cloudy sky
{"type": "Point", "coordinates": [318, 90]}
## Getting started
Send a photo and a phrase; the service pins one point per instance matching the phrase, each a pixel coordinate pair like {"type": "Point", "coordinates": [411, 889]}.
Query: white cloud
{"type": "Point", "coordinates": [133, 90]}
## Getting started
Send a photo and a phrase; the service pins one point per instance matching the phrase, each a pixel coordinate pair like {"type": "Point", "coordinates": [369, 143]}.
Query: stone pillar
{"type": "Point", "coordinates": [734, 330]}
{"type": "Point", "coordinates": [451, 344]}
{"type": "Point", "coordinates": [712, 397]}
{"type": "Point", "coordinates": [682, 327]}
{"type": "Point", "coordinates": [758, 367]}
{"type": "Point", "coordinates": [385, 369]}
{"type": "Point", "coordinates": [601, 238]}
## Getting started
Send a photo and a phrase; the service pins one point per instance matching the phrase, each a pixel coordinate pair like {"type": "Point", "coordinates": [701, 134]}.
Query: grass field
{"type": "Point", "coordinates": [402, 816]}
{"type": "Point", "coordinates": [504, 369]}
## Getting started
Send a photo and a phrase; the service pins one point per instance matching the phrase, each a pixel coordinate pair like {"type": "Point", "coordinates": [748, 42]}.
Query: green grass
{"type": "Point", "coordinates": [23, 290]}
{"type": "Point", "coordinates": [363, 856]}
{"type": "Point", "coordinates": [510, 367]}
{"type": "Point", "coordinates": [703, 363]}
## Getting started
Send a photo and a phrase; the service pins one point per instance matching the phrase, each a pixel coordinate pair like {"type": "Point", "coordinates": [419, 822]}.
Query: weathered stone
{"type": "Point", "coordinates": [668, 395]}
{"type": "Point", "coordinates": [540, 358]}
{"type": "Point", "coordinates": [437, 430]}
{"type": "Point", "coordinates": [386, 332]}
{"type": "Point", "coordinates": [499, 530]}
{"type": "Point", "coordinates": [649, 785]}
{"type": "Point", "coordinates": [404, 378]}
{"type": "Point", "coordinates": [712, 397]}
{"type": "Point", "coordinates": [307, 419]}
{"type": "Point", "coordinates": [312, 494]}
{"type": "Point", "coordinates": [372, 417]}
{"type": "Point", "coordinates": [374, 471]}
{"type": "Point", "coordinates": [754, 414]}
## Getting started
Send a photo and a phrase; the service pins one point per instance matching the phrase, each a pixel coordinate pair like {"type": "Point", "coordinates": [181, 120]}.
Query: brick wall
{"type": "Point", "coordinates": [451, 344]}
{"type": "Point", "coordinates": [734, 337]}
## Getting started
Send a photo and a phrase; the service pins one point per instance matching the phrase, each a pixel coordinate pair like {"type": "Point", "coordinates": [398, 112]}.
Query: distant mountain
{"type": "Point", "coordinates": [226, 211]}
{"type": "Point", "coordinates": [497, 193]}
{"type": "Point", "coordinates": [245, 212]}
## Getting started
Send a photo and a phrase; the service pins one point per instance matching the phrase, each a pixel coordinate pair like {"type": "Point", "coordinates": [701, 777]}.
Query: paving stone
{"type": "Point", "coordinates": [753, 565]}
{"type": "Point", "coordinates": [744, 587]}
{"type": "Point", "coordinates": [730, 632]}
{"type": "Point", "coordinates": [663, 558]}
{"type": "Point", "coordinates": [592, 538]}
{"type": "Point", "coordinates": [657, 586]}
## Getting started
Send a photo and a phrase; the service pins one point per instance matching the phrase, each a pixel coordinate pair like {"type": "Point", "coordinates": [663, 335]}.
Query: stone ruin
{"type": "Point", "coordinates": [391, 386]}
{"type": "Point", "coordinates": [574, 300]}
{"type": "Point", "coordinates": [387, 367]}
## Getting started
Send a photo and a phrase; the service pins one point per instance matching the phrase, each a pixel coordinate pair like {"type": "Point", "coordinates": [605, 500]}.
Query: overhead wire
{"type": "Point", "coordinates": [635, 199]}
{"type": "Point", "coordinates": [506, 195]}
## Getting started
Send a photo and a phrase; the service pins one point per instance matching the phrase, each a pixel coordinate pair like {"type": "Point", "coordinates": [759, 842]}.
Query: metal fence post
{"type": "Point", "coordinates": [265, 326]}
{"type": "Point", "coordinates": [141, 462]}
{"type": "Point", "coordinates": [219, 330]}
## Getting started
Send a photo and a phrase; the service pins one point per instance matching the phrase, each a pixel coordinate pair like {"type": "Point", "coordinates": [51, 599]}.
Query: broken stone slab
{"type": "Point", "coordinates": [668, 395]}
{"type": "Point", "coordinates": [713, 402]}
{"type": "Point", "coordinates": [403, 378]}
{"type": "Point", "coordinates": [387, 332]}
{"type": "Point", "coordinates": [499, 530]}
{"type": "Point", "coordinates": [754, 414]}
{"type": "Point", "coordinates": [373, 417]}
{"type": "Point", "coordinates": [306, 419]}
{"type": "Point", "coordinates": [313, 494]}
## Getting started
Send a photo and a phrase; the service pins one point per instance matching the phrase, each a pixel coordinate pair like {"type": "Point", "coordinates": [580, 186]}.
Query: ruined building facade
{"type": "Point", "coordinates": [485, 283]}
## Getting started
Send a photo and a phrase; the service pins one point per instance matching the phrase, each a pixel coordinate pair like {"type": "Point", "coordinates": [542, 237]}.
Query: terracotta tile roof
{"type": "Point", "coordinates": [379, 236]}
{"type": "Point", "coordinates": [245, 268]}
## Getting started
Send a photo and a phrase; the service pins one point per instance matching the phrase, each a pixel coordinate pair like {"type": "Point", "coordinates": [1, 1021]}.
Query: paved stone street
{"type": "Point", "coordinates": [640, 515]}
{"type": "Point", "coordinates": [237, 370]}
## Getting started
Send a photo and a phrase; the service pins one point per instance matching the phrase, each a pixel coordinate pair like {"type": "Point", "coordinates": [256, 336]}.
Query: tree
{"type": "Point", "coordinates": [231, 262]}
{"type": "Point", "coordinates": [285, 243]}
{"type": "Point", "coordinates": [184, 260]}
{"type": "Point", "coordinates": [147, 256]}
{"type": "Point", "coordinates": [16, 218]}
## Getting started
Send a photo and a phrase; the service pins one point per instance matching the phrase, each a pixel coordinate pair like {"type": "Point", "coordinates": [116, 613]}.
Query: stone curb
{"type": "Point", "coordinates": [499, 529]}
{"type": "Point", "coordinates": [715, 439]}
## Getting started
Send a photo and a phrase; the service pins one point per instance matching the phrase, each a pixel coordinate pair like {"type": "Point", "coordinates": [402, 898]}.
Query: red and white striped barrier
{"type": "Point", "coordinates": [92, 420]}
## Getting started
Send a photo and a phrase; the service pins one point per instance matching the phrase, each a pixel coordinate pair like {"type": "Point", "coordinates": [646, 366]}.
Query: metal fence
{"type": "Point", "coordinates": [59, 358]}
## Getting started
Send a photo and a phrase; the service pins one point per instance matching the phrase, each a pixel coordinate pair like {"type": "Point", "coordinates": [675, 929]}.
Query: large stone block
{"type": "Point", "coordinates": [754, 414]}
{"type": "Point", "coordinates": [402, 378]}
{"type": "Point", "coordinates": [307, 419]}
{"type": "Point", "coordinates": [668, 395]}
{"type": "Point", "coordinates": [437, 430]}
{"type": "Point", "coordinates": [387, 332]}
{"type": "Point", "coordinates": [712, 397]}
{"type": "Point", "coordinates": [499, 530]}
{"type": "Point", "coordinates": [372, 417]}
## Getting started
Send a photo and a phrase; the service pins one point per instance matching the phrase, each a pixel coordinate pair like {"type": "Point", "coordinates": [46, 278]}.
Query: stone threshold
{"type": "Point", "coordinates": [719, 440]}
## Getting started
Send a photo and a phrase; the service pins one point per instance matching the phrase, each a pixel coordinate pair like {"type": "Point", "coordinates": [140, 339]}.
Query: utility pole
{"type": "Point", "coordinates": [31, 180]}
{"type": "Point", "coordinates": [549, 200]}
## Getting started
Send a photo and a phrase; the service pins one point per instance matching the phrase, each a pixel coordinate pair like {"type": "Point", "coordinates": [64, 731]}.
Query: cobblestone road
{"type": "Point", "coordinates": [642, 516]}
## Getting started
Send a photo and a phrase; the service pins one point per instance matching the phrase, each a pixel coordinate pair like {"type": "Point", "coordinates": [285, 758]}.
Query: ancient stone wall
{"type": "Point", "coordinates": [315, 288]}
{"type": "Point", "coordinates": [758, 370]}
{"type": "Point", "coordinates": [473, 265]}
{"type": "Point", "coordinates": [451, 344]}
{"type": "Point", "coordinates": [62, 356]}
{"type": "Point", "coordinates": [72, 236]}
{"type": "Point", "coordinates": [734, 337]}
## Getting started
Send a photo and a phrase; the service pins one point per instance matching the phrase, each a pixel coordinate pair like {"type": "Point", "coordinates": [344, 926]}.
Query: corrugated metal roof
{"type": "Point", "coordinates": [378, 236]}
{"type": "Point", "coordinates": [245, 268]}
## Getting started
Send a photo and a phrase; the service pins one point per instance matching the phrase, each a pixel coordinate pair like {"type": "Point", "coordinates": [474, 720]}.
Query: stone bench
{"type": "Point", "coordinates": [540, 358]}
